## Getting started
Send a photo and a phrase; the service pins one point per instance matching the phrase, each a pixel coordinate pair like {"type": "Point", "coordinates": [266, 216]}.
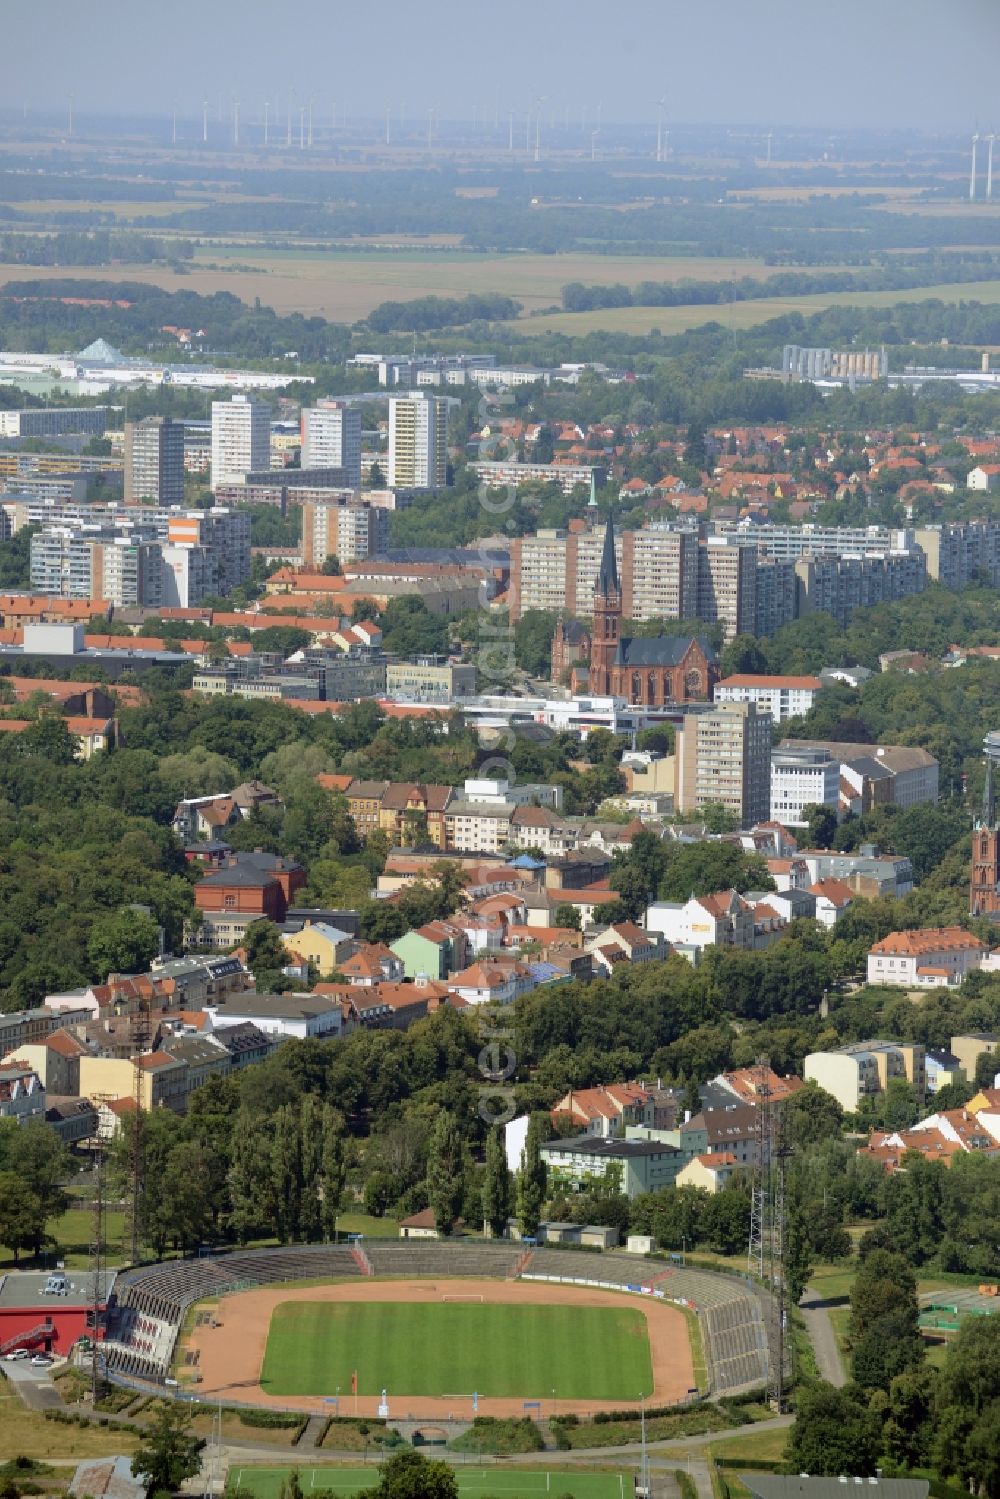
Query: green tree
{"type": "Point", "coordinates": [410, 1475]}
{"type": "Point", "coordinates": [798, 1248]}
{"type": "Point", "coordinates": [497, 1195]}
{"type": "Point", "coordinates": [286, 1179]}
{"type": "Point", "coordinates": [265, 950]}
{"type": "Point", "coordinates": [531, 1178]}
{"type": "Point", "coordinates": [821, 825]}
{"type": "Point", "coordinates": [533, 634]}
{"type": "Point", "coordinates": [22, 1221]}
{"type": "Point", "coordinates": [124, 942]}
{"type": "Point", "coordinates": [834, 1433]}
{"type": "Point", "coordinates": [170, 1453]}
{"type": "Point", "coordinates": [884, 1333]}
{"type": "Point", "coordinates": [567, 916]}
{"type": "Point", "coordinates": [445, 1172]}
{"type": "Point", "coordinates": [332, 1169]}
{"type": "Point", "coordinates": [967, 1408]}
{"type": "Point", "coordinates": [50, 739]}
{"type": "Point", "coordinates": [811, 1115]}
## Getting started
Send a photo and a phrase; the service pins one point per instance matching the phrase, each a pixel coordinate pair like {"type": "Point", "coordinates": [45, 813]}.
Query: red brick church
{"type": "Point", "coordinates": [647, 671]}
{"type": "Point", "coordinates": [984, 895]}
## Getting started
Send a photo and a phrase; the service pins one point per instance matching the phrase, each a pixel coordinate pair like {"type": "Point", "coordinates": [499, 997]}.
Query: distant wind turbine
{"type": "Point", "coordinates": [972, 174]}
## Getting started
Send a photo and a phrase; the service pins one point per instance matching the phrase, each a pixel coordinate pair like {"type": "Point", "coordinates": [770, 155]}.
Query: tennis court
{"type": "Point", "coordinates": [473, 1482]}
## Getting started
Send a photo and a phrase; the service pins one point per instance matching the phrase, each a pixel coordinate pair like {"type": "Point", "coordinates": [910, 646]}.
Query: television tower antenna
{"type": "Point", "coordinates": [140, 1042]}
{"type": "Point", "coordinates": [780, 1152]}
{"type": "Point", "coordinates": [760, 1180]}
{"type": "Point", "coordinates": [98, 1249]}
{"type": "Point", "coordinates": [972, 174]}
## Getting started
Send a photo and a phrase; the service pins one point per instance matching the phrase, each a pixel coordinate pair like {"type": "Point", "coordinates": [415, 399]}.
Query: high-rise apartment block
{"type": "Point", "coordinates": [724, 757]}
{"type": "Point", "coordinates": [331, 438]}
{"type": "Point", "coordinates": [727, 586]}
{"type": "Point", "coordinates": [418, 442]}
{"type": "Point", "coordinates": [664, 573]}
{"type": "Point", "coordinates": [345, 529]}
{"type": "Point", "coordinates": [154, 461]}
{"type": "Point", "coordinates": [241, 439]}
{"type": "Point", "coordinates": [150, 557]}
{"type": "Point", "coordinates": [839, 585]}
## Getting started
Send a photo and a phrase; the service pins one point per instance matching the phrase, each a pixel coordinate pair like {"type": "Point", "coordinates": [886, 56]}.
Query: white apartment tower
{"type": "Point", "coordinates": [418, 442]}
{"type": "Point", "coordinates": [331, 438]}
{"type": "Point", "coordinates": [241, 439]}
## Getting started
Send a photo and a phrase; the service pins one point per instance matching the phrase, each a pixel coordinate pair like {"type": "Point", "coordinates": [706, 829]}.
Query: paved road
{"type": "Point", "coordinates": [822, 1337]}
{"type": "Point", "coordinates": [34, 1386]}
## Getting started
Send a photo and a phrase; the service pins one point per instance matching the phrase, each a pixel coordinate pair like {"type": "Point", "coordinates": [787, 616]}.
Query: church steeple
{"type": "Point", "coordinates": [988, 815]}
{"type": "Point", "coordinates": [607, 578]}
{"type": "Point", "coordinates": [606, 634]}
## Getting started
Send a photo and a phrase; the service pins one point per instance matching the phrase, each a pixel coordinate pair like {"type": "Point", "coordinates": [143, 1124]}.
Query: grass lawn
{"type": "Point", "coordinates": [755, 1446]}
{"type": "Point", "coordinates": [28, 1432]}
{"type": "Point", "coordinates": [473, 1482]}
{"type": "Point", "coordinates": [585, 1353]}
{"type": "Point", "coordinates": [372, 1228]}
{"type": "Point", "coordinates": [72, 1231]}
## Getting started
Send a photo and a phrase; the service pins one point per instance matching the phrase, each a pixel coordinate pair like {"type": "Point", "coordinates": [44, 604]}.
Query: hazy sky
{"type": "Point", "coordinates": [930, 63]}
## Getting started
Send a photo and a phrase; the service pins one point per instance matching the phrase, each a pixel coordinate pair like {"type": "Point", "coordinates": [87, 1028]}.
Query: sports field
{"type": "Point", "coordinates": [473, 1483]}
{"type": "Point", "coordinates": [457, 1348]}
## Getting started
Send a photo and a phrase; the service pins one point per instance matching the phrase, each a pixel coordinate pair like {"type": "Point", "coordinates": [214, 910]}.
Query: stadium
{"type": "Point", "coordinates": [434, 1329]}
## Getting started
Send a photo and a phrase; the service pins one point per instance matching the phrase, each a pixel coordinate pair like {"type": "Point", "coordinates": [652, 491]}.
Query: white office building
{"type": "Point", "coordinates": [418, 442]}
{"type": "Point", "coordinates": [782, 697]}
{"type": "Point", "coordinates": [800, 778]}
{"type": "Point", "coordinates": [241, 439]}
{"type": "Point", "coordinates": [331, 438]}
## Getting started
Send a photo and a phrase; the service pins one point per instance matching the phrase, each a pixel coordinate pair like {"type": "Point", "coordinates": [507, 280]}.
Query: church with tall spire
{"type": "Point", "coordinates": [645, 670]}
{"type": "Point", "coordinates": [984, 893]}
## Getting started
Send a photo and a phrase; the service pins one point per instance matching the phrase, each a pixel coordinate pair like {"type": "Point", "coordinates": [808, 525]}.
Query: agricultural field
{"type": "Point", "coordinates": [524, 1352]}
{"type": "Point", "coordinates": [344, 285]}
{"type": "Point", "coordinates": [736, 315]}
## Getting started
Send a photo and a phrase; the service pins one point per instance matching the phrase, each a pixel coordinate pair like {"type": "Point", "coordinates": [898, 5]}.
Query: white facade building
{"type": "Point", "coordinates": [331, 438]}
{"type": "Point", "coordinates": [241, 439]}
{"type": "Point", "coordinates": [783, 697]}
{"type": "Point", "coordinates": [802, 778]}
{"type": "Point", "coordinates": [418, 442]}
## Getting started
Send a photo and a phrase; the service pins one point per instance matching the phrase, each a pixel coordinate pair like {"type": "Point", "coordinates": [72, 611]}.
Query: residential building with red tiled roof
{"type": "Point", "coordinates": [709, 1171]}
{"type": "Point", "coordinates": [605, 1111]}
{"type": "Point", "coordinates": [832, 900]}
{"type": "Point", "coordinates": [931, 958]}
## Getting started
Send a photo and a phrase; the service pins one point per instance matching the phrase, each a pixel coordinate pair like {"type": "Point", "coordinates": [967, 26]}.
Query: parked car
{"type": "Point", "coordinates": [42, 1361]}
{"type": "Point", "coordinates": [18, 1353]}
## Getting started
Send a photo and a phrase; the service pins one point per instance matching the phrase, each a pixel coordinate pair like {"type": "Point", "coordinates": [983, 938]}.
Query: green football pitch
{"type": "Point", "coordinates": [457, 1348]}
{"type": "Point", "coordinates": [473, 1483]}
